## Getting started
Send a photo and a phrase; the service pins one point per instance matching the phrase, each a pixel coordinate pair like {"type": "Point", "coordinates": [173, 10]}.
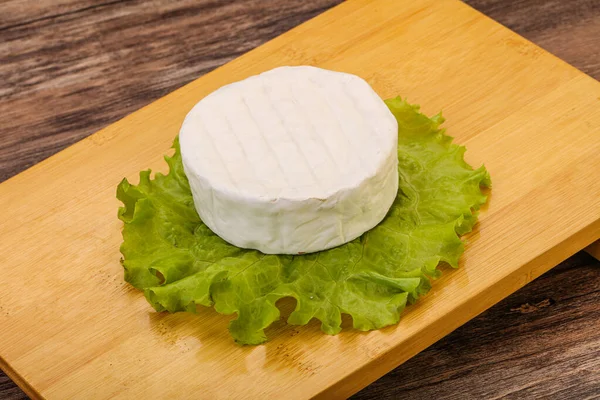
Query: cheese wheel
{"type": "Point", "coordinates": [294, 160]}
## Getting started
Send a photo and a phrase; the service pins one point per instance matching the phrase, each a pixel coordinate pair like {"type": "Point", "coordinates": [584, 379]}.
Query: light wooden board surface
{"type": "Point", "coordinates": [72, 328]}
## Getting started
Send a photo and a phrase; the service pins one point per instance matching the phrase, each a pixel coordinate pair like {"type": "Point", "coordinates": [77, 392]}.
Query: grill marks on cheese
{"type": "Point", "coordinates": [297, 159]}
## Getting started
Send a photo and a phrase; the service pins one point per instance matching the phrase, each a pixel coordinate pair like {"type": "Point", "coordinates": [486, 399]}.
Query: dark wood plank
{"type": "Point", "coordinates": [25, 12]}
{"type": "Point", "coordinates": [71, 67]}
{"type": "Point", "coordinates": [541, 342]}
{"type": "Point", "coordinates": [66, 76]}
{"type": "Point", "coordinates": [10, 391]}
{"type": "Point", "coordinates": [568, 29]}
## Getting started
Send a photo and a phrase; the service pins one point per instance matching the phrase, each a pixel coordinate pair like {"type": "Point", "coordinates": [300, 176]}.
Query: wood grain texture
{"type": "Point", "coordinates": [9, 390]}
{"type": "Point", "coordinates": [19, 13]}
{"type": "Point", "coordinates": [542, 342]}
{"type": "Point", "coordinates": [88, 70]}
{"type": "Point", "coordinates": [67, 75]}
{"type": "Point", "coordinates": [568, 29]}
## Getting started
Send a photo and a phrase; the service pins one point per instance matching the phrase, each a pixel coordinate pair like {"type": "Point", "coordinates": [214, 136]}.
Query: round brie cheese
{"type": "Point", "coordinates": [294, 160]}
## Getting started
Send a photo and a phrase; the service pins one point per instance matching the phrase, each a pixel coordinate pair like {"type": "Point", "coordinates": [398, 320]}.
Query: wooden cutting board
{"type": "Point", "coordinates": [71, 328]}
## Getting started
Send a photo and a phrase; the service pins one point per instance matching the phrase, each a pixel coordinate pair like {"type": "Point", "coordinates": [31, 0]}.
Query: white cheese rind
{"type": "Point", "coordinates": [294, 160]}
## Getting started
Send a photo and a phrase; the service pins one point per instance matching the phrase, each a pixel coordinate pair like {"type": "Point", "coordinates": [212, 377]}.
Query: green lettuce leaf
{"type": "Point", "coordinates": [179, 263]}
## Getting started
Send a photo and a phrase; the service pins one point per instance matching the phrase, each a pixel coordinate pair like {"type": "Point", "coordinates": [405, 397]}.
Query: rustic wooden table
{"type": "Point", "coordinates": [71, 67]}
